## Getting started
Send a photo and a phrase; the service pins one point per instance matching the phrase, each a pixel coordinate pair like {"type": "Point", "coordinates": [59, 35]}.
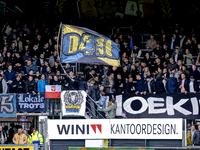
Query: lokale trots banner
{"type": "Point", "coordinates": [165, 105]}
{"type": "Point", "coordinates": [8, 105]}
{"type": "Point", "coordinates": [73, 103]}
{"type": "Point", "coordinates": [31, 103]}
{"type": "Point", "coordinates": [82, 45]}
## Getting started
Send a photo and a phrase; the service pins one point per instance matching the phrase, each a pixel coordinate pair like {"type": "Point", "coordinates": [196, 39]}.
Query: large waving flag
{"type": "Point", "coordinates": [82, 45]}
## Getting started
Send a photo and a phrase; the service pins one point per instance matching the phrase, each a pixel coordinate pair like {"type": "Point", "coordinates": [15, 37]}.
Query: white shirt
{"type": "Point", "coordinates": [191, 85]}
{"type": "Point", "coordinates": [176, 57]}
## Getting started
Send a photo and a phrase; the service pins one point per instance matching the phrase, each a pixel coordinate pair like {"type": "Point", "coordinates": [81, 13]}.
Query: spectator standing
{"type": "Point", "coordinates": [36, 137]}
{"type": "Point", "coordinates": [160, 87]}
{"type": "Point", "coordinates": [3, 137]}
{"type": "Point", "coordinates": [18, 85]}
{"type": "Point", "coordinates": [3, 85]}
{"type": "Point", "coordinates": [130, 86]}
{"type": "Point", "coordinates": [171, 84]}
{"type": "Point", "coordinates": [194, 72]}
{"type": "Point", "coordinates": [119, 84]}
{"type": "Point", "coordinates": [140, 85]}
{"type": "Point", "coordinates": [72, 81]}
{"type": "Point", "coordinates": [183, 84]}
{"type": "Point", "coordinates": [109, 84]}
{"type": "Point", "coordinates": [196, 137]}
{"type": "Point", "coordinates": [82, 84]}
{"type": "Point", "coordinates": [188, 136]}
{"type": "Point", "coordinates": [30, 86]}
{"type": "Point", "coordinates": [111, 110]}
{"type": "Point", "coordinates": [20, 138]}
{"type": "Point", "coordinates": [104, 73]}
{"type": "Point", "coordinates": [29, 66]}
{"type": "Point", "coordinates": [192, 132]}
{"type": "Point", "coordinates": [187, 58]}
{"type": "Point", "coordinates": [102, 103]}
{"type": "Point", "coordinates": [41, 84]}
{"type": "Point", "coordinates": [193, 85]}
{"type": "Point", "coordinates": [150, 85]}
{"type": "Point", "coordinates": [10, 77]}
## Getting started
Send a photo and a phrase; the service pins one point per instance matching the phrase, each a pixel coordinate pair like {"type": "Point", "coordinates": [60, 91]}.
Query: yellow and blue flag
{"type": "Point", "coordinates": [82, 45]}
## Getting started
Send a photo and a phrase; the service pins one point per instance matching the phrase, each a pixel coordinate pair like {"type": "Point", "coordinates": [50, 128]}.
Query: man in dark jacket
{"type": "Point", "coordinates": [194, 72]}
{"type": "Point", "coordinates": [150, 85]}
{"type": "Point", "coordinates": [18, 85]}
{"type": "Point", "coordinates": [171, 84]}
{"type": "Point", "coordinates": [72, 81]}
{"type": "Point", "coordinates": [119, 84]}
{"type": "Point", "coordinates": [104, 73]}
{"type": "Point", "coordinates": [130, 86]}
{"type": "Point", "coordinates": [160, 88]}
{"type": "Point", "coordinates": [193, 85]}
{"type": "Point", "coordinates": [10, 77]}
{"type": "Point", "coordinates": [140, 85]}
{"type": "Point", "coordinates": [30, 85]}
{"type": "Point", "coordinates": [92, 92]}
{"type": "Point", "coordinates": [196, 137]}
{"type": "Point", "coordinates": [109, 83]}
{"type": "Point", "coordinates": [82, 84]}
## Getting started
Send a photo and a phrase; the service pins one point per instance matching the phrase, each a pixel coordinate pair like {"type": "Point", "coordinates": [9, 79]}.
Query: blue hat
{"type": "Point", "coordinates": [112, 100]}
{"type": "Point", "coordinates": [149, 76]}
{"type": "Point", "coordinates": [172, 69]}
{"type": "Point", "coordinates": [123, 112]}
{"type": "Point", "coordinates": [191, 77]}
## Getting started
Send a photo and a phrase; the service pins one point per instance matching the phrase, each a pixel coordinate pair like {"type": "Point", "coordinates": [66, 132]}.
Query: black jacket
{"type": "Point", "coordinates": [159, 85]}
{"type": "Point", "coordinates": [196, 137]}
{"type": "Point", "coordinates": [92, 92]}
{"type": "Point", "coordinates": [18, 86]}
{"type": "Point", "coordinates": [30, 86]}
{"type": "Point", "coordinates": [152, 86]}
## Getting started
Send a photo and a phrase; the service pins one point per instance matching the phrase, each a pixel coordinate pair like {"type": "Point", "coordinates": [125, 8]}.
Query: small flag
{"type": "Point", "coordinates": [53, 91]}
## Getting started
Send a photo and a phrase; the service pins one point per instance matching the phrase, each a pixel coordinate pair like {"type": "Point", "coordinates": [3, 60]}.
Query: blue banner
{"type": "Point", "coordinates": [31, 103]}
{"type": "Point", "coordinates": [8, 105]}
{"type": "Point", "coordinates": [81, 45]}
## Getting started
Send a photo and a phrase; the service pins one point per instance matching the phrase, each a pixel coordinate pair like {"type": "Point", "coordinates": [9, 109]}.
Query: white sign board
{"type": "Point", "coordinates": [115, 129]}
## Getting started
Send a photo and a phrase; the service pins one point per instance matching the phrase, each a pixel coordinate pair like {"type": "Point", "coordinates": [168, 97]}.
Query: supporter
{"type": "Point", "coordinates": [8, 59]}
{"type": "Point", "coordinates": [92, 92]}
{"type": "Point", "coordinates": [3, 85]}
{"type": "Point", "coordinates": [148, 60]}
{"type": "Point", "coordinates": [99, 90]}
{"type": "Point", "coordinates": [109, 83]}
{"type": "Point", "coordinates": [163, 40]}
{"type": "Point", "coordinates": [29, 66]}
{"type": "Point", "coordinates": [184, 69]}
{"type": "Point", "coordinates": [145, 73]}
{"type": "Point", "coordinates": [3, 136]}
{"type": "Point", "coordinates": [187, 58]}
{"type": "Point", "coordinates": [192, 132]}
{"type": "Point", "coordinates": [183, 84]}
{"type": "Point", "coordinates": [111, 110]}
{"type": "Point", "coordinates": [40, 60]}
{"type": "Point", "coordinates": [18, 85]}
{"type": "Point", "coordinates": [91, 74]}
{"type": "Point", "coordinates": [166, 50]}
{"type": "Point", "coordinates": [56, 81]}
{"type": "Point", "coordinates": [41, 84]}
{"type": "Point", "coordinates": [119, 84]}
{"type": "Point", "coordinates": [171, 84]}
{"type": "Point", "coordinates": [56, 67]}
{"type": "Point", "coordinates": [104, 73]}
{"type": "Point", "coordinates": [176, 54]}
{"type": "Point", "coordinates": [10, 77]}
{"type": "Point", "coordinates": [174, 42]}
{"type": "Point", "coordinates": [30, 86]}
{"type": "Point", "coordinates": [133, 59]}
{"type": "Point", "coordinates": [182, 38]}
{"type": "Point", "coordinates": [188, 135]}
{"type": "Point", "coordinates": [126, 48]}
{"type": "Point", "coordinates": [126, 63]}
{"type": "Point", "coordinates": [193, 85]}
{"type": "Point", "coordinates": [18, 44]}
{"type": "Point", "coordinates": [194, 72]}
{"type": "Point", "coordinates": [133, 72]}
{"type": "Point", "coordinates": [157, 51]}
{"type": "Point", "coordinates": [20, 138]}
{"type": "Point", "coordinates": [158, 73]}
{"type": "Point", "coordinates": [140, 85]}
{"type": "Point", "coordinates": [172, 64]}
{"type": "Point", "coordinates": [82, 84]}
{"type": "Point", "coordinates": [72, 81]}
{"type": "Point", "coordinates": [150, 85]}
{"type": "Point", "coordinates": [53, 58]}
{"type": "Point", "coordinates": [196, 137]}
{"type": "Point", "coordinates": [159, 84]}
{"type": "Point", "coordinates": [130, 86]}
{"type": "Point", "coordinates": [124, 115]}
{"type": "Point", "coordinates": [151, 43]}
{"type": "Point", "coordinates": [102, 103]}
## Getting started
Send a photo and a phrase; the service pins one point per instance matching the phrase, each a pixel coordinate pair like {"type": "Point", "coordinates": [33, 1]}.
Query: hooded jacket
{"type": "Point", "coordinates": [82, 84]}
{"type": "Point", "coordinates": [140, 86]}
{"type": "Point", "coordinates": [102, 103]}
{"type": "Point", "coordinates": [171, 85]}
{"type": "Point", "coordinates": [111, 110]}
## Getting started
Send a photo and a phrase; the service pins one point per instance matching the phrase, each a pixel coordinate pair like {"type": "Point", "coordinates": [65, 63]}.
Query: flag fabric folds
{"type": "Point", "coordinates": [82, 45]}
{"type": "Point", "coordinates": [53, 91]}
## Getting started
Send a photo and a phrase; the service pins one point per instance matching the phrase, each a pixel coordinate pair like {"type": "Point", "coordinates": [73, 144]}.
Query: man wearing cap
{"type": "Point", "coordinates": [111, 110]}
{"type": "Point", "coordinates": [193, 85]}
{"type": "Point", "coordinates": [150, 85]}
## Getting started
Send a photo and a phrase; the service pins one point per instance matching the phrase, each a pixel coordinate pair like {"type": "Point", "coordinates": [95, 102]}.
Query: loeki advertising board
{"type": "Point", "coordinates": [115, 129]}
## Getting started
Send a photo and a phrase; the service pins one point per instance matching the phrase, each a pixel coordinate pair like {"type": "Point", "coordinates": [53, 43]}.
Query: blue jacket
{"type": "Point", "coordinates": [159, 85]}
{"type": "Point", "coordinates": [140, 86]}
{"type": "Point", "coordinates": [186, 85]}
{"type": "Point", "coordinates": [41, 85]}
{"type": "Point", "coordinates": [102, 103]}
{"type": "Point", "coordinates": [33, 67]}
{"type": "Point", "coordinates": [18, 86]}
{"type": "Point", "coordinates": [129, 86]}
{"type": "Point", "coordinates": [9, 75]}
{"type": "Point", "coordinates": [152, 86]}
{"type": "Point", "coordinates": [82, 84]}
{"type": "Point", "coordinates": [195, 74]}
{"type": "Point", "coordinates": [171, 85]}
{"type": "Point", "coordinates": [118, 83]}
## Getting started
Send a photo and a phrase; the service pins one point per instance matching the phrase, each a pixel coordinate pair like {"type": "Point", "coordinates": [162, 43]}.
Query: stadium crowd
{"type": "Point", "coordinates": [29, 61]}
